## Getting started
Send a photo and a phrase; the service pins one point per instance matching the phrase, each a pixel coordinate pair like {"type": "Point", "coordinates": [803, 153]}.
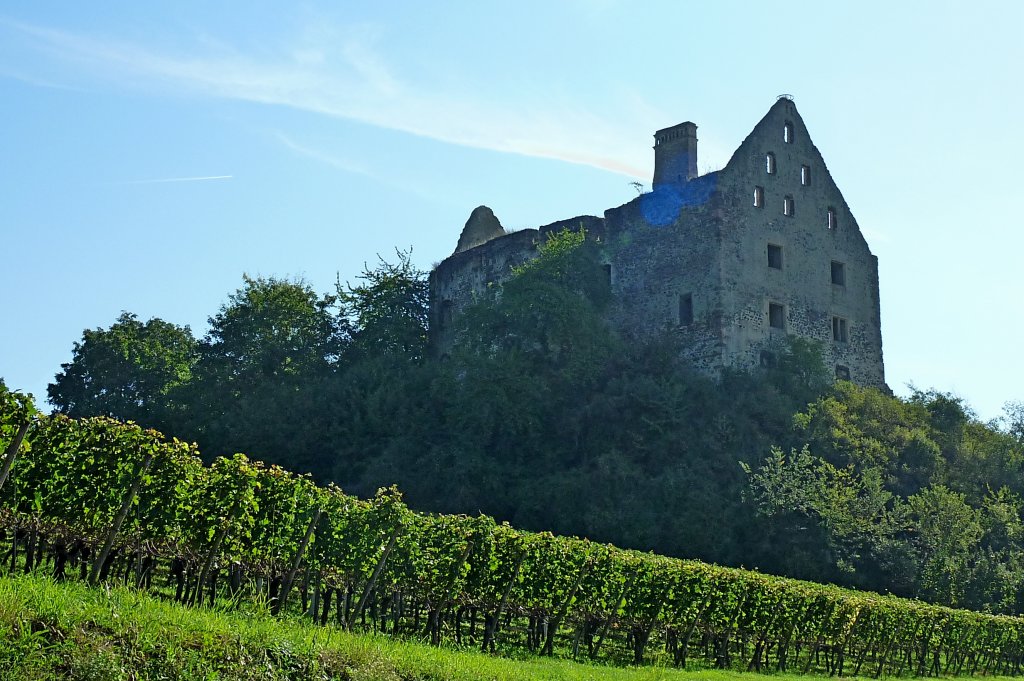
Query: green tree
{"type": "Point", "coordinates": [502, 409]}
{"type": "Point", "coordinates": [979, 457]}
{"type": "Point", "coordinates": [946, 535]}
{"type": "Point", "coordinates": [261, 371]}
{"type": "Point", "coordinates": [997, 582]}
{"type": "Point", "coordinates": [273, 329]}
{"type": "Point", "coordinates": [126, 371]}
{"type": "Point", "coordinates": [863, 427]}
{"type": "Point", "coordinates": [379, 412]}
{"type": "Point", "coordinates": [856, 517]}
{"type": "Point", "coordinates": [799, 371]}
{"type": "Point", "coordinates": [388, 310]}
{"type": "Point", "coordinates": [548, 313]}
{"type": "Point", "coordinates": [1013, 420]}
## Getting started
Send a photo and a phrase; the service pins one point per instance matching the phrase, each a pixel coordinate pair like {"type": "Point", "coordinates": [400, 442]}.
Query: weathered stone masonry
{"type": "Point", "coordinates": [733, 261]}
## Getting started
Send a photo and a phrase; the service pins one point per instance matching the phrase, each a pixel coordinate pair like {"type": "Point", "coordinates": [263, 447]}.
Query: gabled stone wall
{"type": "Point", "coordinates": [692, 257]}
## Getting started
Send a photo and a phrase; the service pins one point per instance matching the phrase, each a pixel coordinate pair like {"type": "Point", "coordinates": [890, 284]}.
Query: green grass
{"type": "Point", "coordinates": [67, 630]}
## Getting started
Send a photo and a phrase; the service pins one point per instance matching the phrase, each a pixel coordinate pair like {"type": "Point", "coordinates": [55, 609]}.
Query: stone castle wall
{"type": "Point", "coordinates": [692, 257]}
{"type": "Point", "coordinates": [809, 247]}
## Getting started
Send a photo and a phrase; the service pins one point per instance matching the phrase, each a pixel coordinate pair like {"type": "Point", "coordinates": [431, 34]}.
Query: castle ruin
{"type": "Point", "coordinates": [733, 261]}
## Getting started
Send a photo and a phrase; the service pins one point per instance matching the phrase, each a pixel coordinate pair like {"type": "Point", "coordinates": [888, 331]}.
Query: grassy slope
{"type": "Point", "coordinates": [69, 631]}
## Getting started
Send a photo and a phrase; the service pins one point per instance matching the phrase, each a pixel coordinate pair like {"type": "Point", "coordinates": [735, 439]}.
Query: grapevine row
{"type": "Point", "coordinates": [106, 500]}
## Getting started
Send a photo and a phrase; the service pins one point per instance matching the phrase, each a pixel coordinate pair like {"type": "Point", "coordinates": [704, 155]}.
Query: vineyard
{"type": "Point", "coordinates": [104, 501]}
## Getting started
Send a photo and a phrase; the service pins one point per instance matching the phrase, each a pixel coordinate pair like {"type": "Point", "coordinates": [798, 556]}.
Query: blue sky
{"type": "Point", "coordinates": [152, 154]}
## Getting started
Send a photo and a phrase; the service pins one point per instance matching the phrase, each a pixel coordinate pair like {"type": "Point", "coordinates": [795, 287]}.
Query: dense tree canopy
{"type": "Point", "coordinates": [126, 371]}
{"type": "Point", "coordinates": [542, 416]}
{"type": "Point", "coordinates": [273, 329]}
{"type": "Point", "coordinates": [261, 369]}
{"type": "Point", "coordinates": [388, 310]}
{"type": "Point", "coordinates": [912, 496]}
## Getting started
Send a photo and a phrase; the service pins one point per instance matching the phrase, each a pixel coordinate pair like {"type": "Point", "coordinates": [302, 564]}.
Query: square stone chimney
{"type": "Point", "coordinates": [675, 154]}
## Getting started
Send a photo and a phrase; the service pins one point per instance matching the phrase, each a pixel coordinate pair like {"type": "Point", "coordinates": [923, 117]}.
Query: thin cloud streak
{"type": "Point", "coordinates": [347, 166]}
{"type": "Point", "coordinates": [340, 163]}
{"type": "Point", "coordinates": [177, 179]}
{"type": "Point", "coordinates": [348, 80]}
{"type": "Point", "coordinates": [6, 72]}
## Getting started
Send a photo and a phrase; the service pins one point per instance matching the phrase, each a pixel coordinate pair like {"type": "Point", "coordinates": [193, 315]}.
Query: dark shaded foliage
{"type": "Point", "coordinates": [541, 416]}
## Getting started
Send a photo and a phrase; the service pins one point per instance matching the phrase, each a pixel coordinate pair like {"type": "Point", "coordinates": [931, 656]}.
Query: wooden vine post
{"type": "Point", "coordinates": [290, 579]}
{"type": "Point", "coordinates": [549, 639]}
{"type": "Point", "coordinates": [709, 604]}
{"type": "Point", "coordinates": [122, 513]}
{"type": "Point", "coordinates": [434, 620]}
{"type": "Point", "coordinates": [754, 665]}
{"type": "Point", "coordinates": [723, 646]}
{"type": "Point", "coordinates": [12, 452]}
{"type": "Point", "coordinates": [640, 642]}
{"type": "Point", "coordinates": [372, 582]}
{"type": "Point", "coordinates": [492, 626]}
{"type": "Point", "coordinates": [204, 573]}
{"type": "Point", "coordinates": [626, 587]}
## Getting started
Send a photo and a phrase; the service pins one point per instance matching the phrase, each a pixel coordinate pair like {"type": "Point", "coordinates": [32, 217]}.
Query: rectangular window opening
{"type": "Point", "coordinates": [759, 197]}
{"type": "Point", "coordinates": [805, 175]}
{"type": "Point", "coordinates": [842, 372]}
{"type": "Point", "coordinates": [447, 314]}
{"type": "Point", "coordinates": [769, 163]}
{"type": "Point", "coordinates": [839, 330]}
{"type": "Point", "coordinates": [686, 309]}
{"type": "Point", "coordinates": [831, 218]}
{"type": "Point", "coordinates": [838, 273]}
{"type": "Point", "coordinates": [775, 256]}
{"type": "Point", "coordinates": [787, 206]}
{"type": "Point", "coordinates": [776, 316]}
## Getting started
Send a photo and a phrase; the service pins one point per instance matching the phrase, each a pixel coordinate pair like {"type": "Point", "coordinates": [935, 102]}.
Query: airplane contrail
{"type": "Point", "coordinates": [179, 179]}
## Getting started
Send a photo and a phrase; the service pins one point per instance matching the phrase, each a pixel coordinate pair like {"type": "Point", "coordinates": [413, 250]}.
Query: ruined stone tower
{"type": "Point", "coordinates": [733, 261]}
